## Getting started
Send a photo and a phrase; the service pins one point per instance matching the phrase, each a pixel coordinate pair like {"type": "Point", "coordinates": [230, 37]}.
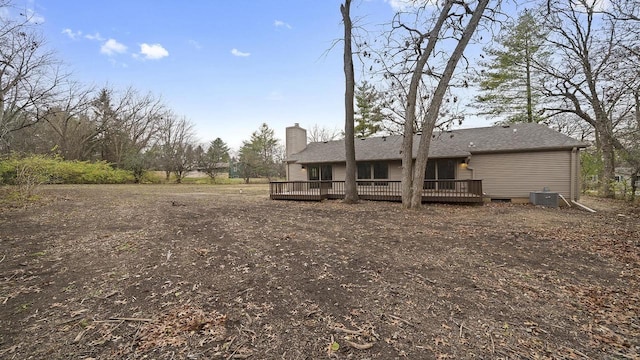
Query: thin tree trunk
{"type": "Point", "coordinates": [434, 107]}
{"type": "Point", "coordinates": [528, 71]}
{"type": "Point", "coordinates": [634, 188]}
{"type": "Point", "coordinates": [350, 185]}
{"type": "Point", "coordinates": [410, 115]}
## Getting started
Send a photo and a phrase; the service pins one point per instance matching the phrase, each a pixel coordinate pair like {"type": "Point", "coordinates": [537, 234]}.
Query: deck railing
{"type": "Point", "coordinates": [389, 190]}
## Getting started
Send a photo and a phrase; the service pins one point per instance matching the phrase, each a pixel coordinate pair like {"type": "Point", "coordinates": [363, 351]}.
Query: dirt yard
{"type": "Point", "coordinates": [222, 272]}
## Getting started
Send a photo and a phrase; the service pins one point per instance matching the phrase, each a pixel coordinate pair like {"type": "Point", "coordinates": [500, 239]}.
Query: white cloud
{"type": "Point", "coordinates": [79, 34]}
{"type": "Point", "coordinates": [195, 44]}
{"type": "Point", "coordinates": [95, 36]}
{"type": "Point", "coordinates": [399, 5]}
{"type": "Point", "coordinates": [405, 5]}
{"type": "Point", "coordinates": [71, 34]}
{"type": "Point", "coordinates": [118, 64]}
{"type": "Point", "coordinates": [237, 52]}
{"type": "Point", "coordinates": [275, 96]}
{"type": "Point", "coordinates": [112, 47]}
{"type": "Point", "coordinates": [280, 23]}
{"type": "Point", "coordinates": [153, 51]}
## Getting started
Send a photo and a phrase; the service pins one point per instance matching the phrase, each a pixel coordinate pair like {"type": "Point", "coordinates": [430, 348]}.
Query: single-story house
{"type": "Point", "coordinates": [481, 164]}
{"type": "Point", "coordinates": [221, 171]}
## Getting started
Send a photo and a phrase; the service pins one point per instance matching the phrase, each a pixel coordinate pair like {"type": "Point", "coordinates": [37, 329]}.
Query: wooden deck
{"type": "Point", "coordinates": [445, 191]}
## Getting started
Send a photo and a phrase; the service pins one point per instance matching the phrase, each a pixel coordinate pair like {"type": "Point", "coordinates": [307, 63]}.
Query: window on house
{"type": "Point", "coordinates": [381, 171]}
{"type": "Point", "coordinates": [326, 173]}
{"type": "Point", "coordinates": [319, 172]}
{"type": "Point", "coordinates": [376, 170]}
{"type": "Point", "coordinates": [440, 169]}
{"type": "Point", "coordinates": [364, 171]}
{"type": "Point", "coordinates": [313, 173]}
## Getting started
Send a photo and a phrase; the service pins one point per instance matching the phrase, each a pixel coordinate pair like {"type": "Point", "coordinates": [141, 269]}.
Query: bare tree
{"type": "Point", "coordinates": [585, 43]}
{"type": "Point", "coordinates": [350, 185]}
{"type": "Point", "coordinates": [320, 134]}
{"type": "Point", "coordinates": [176, 146]}
{"type": "Point", "coordinates": [626, 74]}
{"type": "Point", "coordinates": [570, 125]}
{"type": "Point", "coordinates": [69, 122]}
{"type": "Point", "coordinates": [29, 75]}
{"type": "Point", "coordinates": [395, 107]}
{"type": "Point", "coordinates": [127, 122]}
{"type": "Point", "coordinates": [436, 102]}
{"type": "Point", "coordinates": [423, 49]}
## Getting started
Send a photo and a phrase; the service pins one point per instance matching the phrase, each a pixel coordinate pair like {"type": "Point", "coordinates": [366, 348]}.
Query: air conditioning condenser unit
{"type": "Point", "coordinates": [544, 198]}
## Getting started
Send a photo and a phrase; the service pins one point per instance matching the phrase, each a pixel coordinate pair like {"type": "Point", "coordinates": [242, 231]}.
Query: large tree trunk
{"type": "Point", "coordinates": [608, 158]}
{"type": "Point", "coordinates": [350, 185]}
{"type": "Point", "coordinates": [410, 115]}
{"type": "Point", "coordinates": [436, 102]}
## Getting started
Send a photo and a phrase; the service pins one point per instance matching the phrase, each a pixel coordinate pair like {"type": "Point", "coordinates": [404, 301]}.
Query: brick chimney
{"type": "Point", "coordinates": [296, 140]}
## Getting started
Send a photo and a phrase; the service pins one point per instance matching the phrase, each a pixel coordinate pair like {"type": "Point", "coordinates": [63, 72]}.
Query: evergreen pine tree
{"type": "Point", "coordinates": [369, 115]}
{"type": "Point", "coordinates": [509, 81]}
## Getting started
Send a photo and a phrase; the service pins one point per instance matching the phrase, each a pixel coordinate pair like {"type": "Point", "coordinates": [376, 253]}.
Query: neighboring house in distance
{"type": "Point", "coordinates": [623, 180]}
{"type": "Point", "coordinates": [510, 161]}
{"type": "Point", "coordinates": [622, 175]}
{"type": "Point", "coordinates": [222, 171]}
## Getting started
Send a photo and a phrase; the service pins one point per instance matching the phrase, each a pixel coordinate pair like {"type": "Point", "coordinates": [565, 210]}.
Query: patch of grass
{"type": "Point", "coordinates": [12, 197]}
{"type": "Point", "coordinates": [126, 247]}
{"type": "Point", "coordinates": [228, 181]}
{"type": "Point", "coordinates": [197, 181]}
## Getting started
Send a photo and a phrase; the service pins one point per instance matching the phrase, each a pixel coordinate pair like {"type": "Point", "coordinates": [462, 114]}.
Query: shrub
{"type": "Point", "coordinates": [40, 169]}
{"type": "Point", "coordinates": [27, 174]}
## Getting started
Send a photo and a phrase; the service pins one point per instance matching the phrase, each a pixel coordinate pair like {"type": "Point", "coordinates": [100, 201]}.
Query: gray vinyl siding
{"type": "Point", "coordinates": [339, 171]}
{"type": "Point", "coordinates": [395, 170]}
{"type": "Point", "coordinates": [515, 175]}
{"type": "Point", "coordinates": [463, 172]}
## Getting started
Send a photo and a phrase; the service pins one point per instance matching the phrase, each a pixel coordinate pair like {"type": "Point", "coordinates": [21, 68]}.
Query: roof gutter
{"type": "Point", "coordinates": [506, 151]}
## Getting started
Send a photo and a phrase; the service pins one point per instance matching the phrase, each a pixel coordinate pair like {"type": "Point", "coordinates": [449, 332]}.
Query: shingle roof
{"type": "Point", "coordinates": [449, 144]}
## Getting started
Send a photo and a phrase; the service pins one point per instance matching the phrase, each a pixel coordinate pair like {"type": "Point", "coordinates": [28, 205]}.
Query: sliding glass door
{"type": "Point", "coordinates": [440, 169]}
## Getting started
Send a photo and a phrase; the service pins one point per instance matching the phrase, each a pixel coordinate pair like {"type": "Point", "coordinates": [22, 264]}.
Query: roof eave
{"type": "Point", "coordinates": [549, 148]}
{"type": "Point", "coordinates": [333, 161]}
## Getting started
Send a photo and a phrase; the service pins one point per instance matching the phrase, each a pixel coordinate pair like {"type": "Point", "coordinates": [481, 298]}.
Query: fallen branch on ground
{"type": "Point", "coordinates": [351, 332]}
{"type": "Point", "coordinates": [401, 320]}
{"type": "Point", "coordinates": [364, 346]}
{"type": "Point", "coordinates": [125, 319]}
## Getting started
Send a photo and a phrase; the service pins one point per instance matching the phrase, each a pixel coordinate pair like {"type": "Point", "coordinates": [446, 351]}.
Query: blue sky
{"type": "Point", "coordinates": [228, 66]}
